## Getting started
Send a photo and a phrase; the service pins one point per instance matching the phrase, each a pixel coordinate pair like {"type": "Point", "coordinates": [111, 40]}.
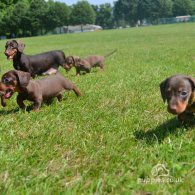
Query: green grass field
{"type": "Point", "coordinates": [112, 137]}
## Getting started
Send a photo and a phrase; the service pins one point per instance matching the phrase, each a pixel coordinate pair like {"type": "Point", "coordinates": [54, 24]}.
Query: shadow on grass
{"type": "Point", "coordinates": [28, 108]}
{"type": "Point", "coordinates": [6, 112]}
{"type": "Point", "coordinates": [158, 134]}
{"type": "Point", "coordinates": [93, 71]}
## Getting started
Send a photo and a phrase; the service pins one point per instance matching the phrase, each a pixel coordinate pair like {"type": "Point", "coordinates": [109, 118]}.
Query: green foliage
{"type": "Point", "coordinates": [6, 3]}
{"type": "Point", "coordinates": [182, 7]}
{"type": "Point", "coordinates": [160, 9]}
{"type": "Point", "coordinates": [36, 15]}
{"type": "Point", "coordinates": [133, 10]}
{"type": "Point", "coordinates": [126, 10]}
{"type": "Point", "coordinates": [13, 20]}
{"type": "Point", "coordinates": [112, 136]}
{"type": "Point", "coordinates": [82, 13]}
{"type": "Point", "coordinates": [104, 16]}
{"type": "Point", "coordinates": [57, 15]}
{"type": "Point", "coordinates": [143, 9]}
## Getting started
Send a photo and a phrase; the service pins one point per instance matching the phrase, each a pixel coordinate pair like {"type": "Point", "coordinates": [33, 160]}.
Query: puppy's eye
{"type": "Point", "coordinates": [5, 80]}
{"type": "Point", "coordinates": [184, 93]}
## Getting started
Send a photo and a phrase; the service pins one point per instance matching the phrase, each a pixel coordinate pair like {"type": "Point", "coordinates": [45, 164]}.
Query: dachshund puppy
{"type": "Point", "coordinates": [179, 92]}
{"type": "Point", "coordinates": [35, 90]}
{"type": "Point", "coordinates": [87, 63]}
{"type": "Point", "coordinates": [80, 65]}
{"type": "Point", "coordinates": [71, 61]}
{"type": "Point", "coordinates": [44, 63]}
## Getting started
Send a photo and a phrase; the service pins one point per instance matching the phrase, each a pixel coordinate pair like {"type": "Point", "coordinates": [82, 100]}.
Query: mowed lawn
{"type": "Point", "coordinates": [112, 137]}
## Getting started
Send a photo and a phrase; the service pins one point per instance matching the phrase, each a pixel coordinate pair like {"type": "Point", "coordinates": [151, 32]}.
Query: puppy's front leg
{"type": "Point", "coordinates": [59, 97]}
{"type": "Point", "coordinates": [78, 72]}
{"type": "Point", "coordinates": [20, 102]}
{"type": "Point", "coordinates": [3, 101]}
{"type": "Point", "coordinates": [37, 104]}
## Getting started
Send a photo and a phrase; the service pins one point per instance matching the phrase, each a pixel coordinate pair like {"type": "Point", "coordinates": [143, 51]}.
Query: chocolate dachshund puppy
{"type": "Point", "coordinates": [87, 63]}
{"type": "Point", "coordinates": [44, 63]}
{"type": "Point", "coordinates": [179, 92]}
{"type": "Point", "coordinates": [34, 90]}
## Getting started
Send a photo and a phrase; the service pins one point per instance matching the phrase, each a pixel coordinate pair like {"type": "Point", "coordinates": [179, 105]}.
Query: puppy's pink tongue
{"type": "Point", "coordinates": [8, 95]}
{"type": "Point", "coordinates": [10, 58]}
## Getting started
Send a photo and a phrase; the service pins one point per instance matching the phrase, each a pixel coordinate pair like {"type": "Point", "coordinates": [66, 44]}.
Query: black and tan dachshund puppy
{"type": "Point", "coordinates": [44, 63]}
{"type": "Point", "coordinates": [34, 90]}
{"type": "Point", "coordinates": [179, 92]}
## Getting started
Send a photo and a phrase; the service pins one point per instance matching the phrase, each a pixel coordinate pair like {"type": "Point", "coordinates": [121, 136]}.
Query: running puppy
{"type": "Point", "coordinates": [179, 92]}
{"type": "Point", "coordinates": [87, 63]}
{"type": "Point", "coordinates": [35, 90]}
{"type": "Point", "coordinates": [44, 63]}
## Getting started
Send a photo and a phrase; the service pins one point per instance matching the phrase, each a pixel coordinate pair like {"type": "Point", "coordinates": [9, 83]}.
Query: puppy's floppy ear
{"type": "Point", "coordinates": [7, 43]}
{"type": "Point", "coordinates": [163, 89]}
{"type": "Point", "coordinates": [23, 78]}
{"type": "Point", "coordinates": [21, 46]}
{"type": "Point", "coordinates": [192, 82]}
{"type": "Point", "coordinates": [73, 59]}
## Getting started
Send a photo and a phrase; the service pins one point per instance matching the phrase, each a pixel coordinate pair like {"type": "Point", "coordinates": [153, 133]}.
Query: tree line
{"type": "Point", "coordinates": [38, 17]}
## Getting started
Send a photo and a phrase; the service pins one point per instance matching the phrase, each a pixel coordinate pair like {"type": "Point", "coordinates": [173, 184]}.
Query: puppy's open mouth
{"type": "Point", "coordinates": [10, 56]}
{"type": "Point", "coordinates": [67, 68]}
{"type": "Point", "coordinates": [7, 94]}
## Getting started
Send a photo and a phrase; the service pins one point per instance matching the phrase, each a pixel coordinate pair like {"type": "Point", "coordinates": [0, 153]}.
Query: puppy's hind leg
{"type": "Point", "coordinates": [101, 65]}
{"type": "Point", "coordinates": [37, 104]}
{"type": "Point", "coordinates": [59, 97]}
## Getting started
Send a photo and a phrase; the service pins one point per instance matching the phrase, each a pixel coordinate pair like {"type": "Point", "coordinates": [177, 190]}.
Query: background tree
{"type": "Point", "coordinates": [12, 20]}
{"type": "Point", "coordinates": [182, 7]}
{"type": "Point", "coordinates": [193, 3]}
{"type": "Point", "coordinates": [143, 9]}
{"type": "Point", "coordinates": [35, 16]}
{"type": "Point", "coordinates": [126, 10]}
{"type": "Point", "coordinates": [82, 14]}
{"type": "Point", "coordinates": [104, 15]}
{"type": "Point", "coordinates": [6, 3]}
{"type": "Point", "coordinates": [57, 15]}
{"type": "Point", "coordinates": [160, 9]}
{"type": "Point", "coordinates": [119, 17]}
{"type": "Point", "coordinates": [2, 30]}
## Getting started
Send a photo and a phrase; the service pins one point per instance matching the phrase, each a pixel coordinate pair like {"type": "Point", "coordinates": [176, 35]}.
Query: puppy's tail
{"type": "Point", "coordinates": [109, 54]}
{"type": "Point", "coordinates": [76, 90]}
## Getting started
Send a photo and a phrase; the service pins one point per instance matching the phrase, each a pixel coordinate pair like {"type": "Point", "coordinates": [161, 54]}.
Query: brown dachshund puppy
{"type": "Point", "coordinates": [36, 90]}
{"type": "Point", "coordinates": [179, 92]}
{"type": "Point", "coordinates": [43, 63]}
{"type": "Point", "coordinates": [87, 63]}
{"type": "Point", "coordinates": [71, 61]}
